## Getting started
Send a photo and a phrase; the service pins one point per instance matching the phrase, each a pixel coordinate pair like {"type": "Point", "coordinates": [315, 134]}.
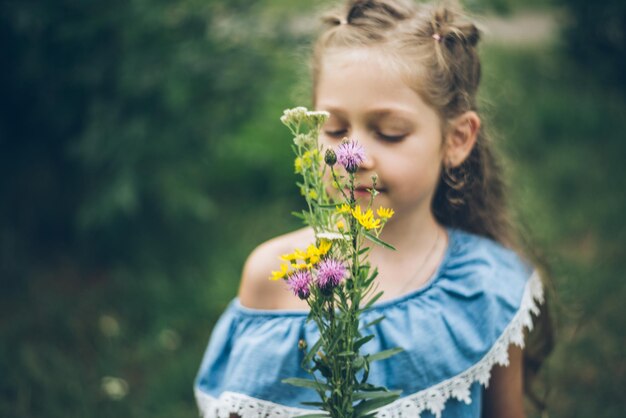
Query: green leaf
{"type": "Point", "coordinates": [378, 241]}
{"type": "Point", "coordinates": [320, 404]}
{"type": "Point", "coordinates": [374, 274]}
{"type": "Point", "coordinates": [376, 394]}
{"type": "Point", "coordinates": [309, 356]}
{"type": "Point", "coordinates": [374, 322]}
{"type": "Point", "coordinates": [372, 301]}
{"type": "Point", "coordinates": [306, 383]}
{"type": "Point", "coordinates": [298, 215]}
{"type": "Point", "coordinates": [329, 206]}
{"type": "Point", "coordinates": [370, 388]}
{"type": "Point", "coordinates": [384, 354]}
{"type": "Point", "coordinates": [366, 372]}
{"type": "Point", "coordinates": [368, 405]}
{"type": "Point", "coordinates": [361, 341]}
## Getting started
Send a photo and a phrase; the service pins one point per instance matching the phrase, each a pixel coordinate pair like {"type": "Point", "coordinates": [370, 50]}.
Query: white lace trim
{"type": "Point", "coordinates": [433, 398]}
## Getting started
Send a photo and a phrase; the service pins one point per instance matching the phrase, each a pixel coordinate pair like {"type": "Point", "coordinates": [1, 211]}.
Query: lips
{"type": "Point", "coordinates": [366, 189]}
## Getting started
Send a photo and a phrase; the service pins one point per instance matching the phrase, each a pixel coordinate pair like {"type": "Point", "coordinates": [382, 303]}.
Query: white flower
{"type": "Point", "coordinates": [293, 115]}
{"type": "Point", "coordinates": [114, 387]}
{"type": "Point", "coordinates": [109, 326]}
{"type": "Point", "coordinates": [301, 140]}
{"type": "Point", "coordinates": [332, 236]}
{"type": "Point", "coordinates": [169, 339]}
{"type": "Point", "coordinates": [318, 117]}
{"type": "Point", "coordinates": [318, 113]}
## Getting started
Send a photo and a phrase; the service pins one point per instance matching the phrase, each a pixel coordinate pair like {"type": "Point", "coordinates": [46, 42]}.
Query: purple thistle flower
{"type": "Point", "coordinates": [330, 273]}
{"type": "Point", "coordinates": [350, 154]}
{"type": "Point", "coordinates": [299, 282]}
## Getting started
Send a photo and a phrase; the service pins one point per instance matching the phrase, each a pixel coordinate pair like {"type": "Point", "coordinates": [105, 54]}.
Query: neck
{"type": "Point", "coordinates": [412, 235]}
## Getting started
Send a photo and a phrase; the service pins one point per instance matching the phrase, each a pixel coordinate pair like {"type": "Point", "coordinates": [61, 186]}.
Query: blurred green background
{"type": "Point", "coordinates": [142, 159]}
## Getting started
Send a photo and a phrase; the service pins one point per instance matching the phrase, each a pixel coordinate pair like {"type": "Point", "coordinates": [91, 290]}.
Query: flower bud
{"type": "Point", "coordinates": [330, 158]}
{"type": "Point", "coordinates": [302, 345]}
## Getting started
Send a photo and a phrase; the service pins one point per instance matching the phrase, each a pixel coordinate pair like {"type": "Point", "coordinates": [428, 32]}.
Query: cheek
{"type": "Point", "coordinates": [415, 170]}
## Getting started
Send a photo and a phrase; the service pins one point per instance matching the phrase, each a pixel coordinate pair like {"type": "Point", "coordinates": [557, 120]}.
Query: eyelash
{"type": "Point", "coordinates": [391, 138]}
{"type": "Point", "coordinates": [388, 138]}
{"type": "Point", "coordinates": [336, 134]}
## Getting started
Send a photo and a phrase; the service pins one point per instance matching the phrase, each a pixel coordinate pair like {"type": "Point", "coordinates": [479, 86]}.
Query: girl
{"type": "Point", "coordinates": [400, 78]}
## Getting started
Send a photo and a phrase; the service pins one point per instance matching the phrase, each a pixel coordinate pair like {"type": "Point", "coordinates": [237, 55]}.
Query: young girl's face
{"type": "Point", "coordinates": [370, 102]}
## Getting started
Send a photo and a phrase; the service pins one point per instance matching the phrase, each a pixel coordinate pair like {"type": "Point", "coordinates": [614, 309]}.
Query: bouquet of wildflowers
{"type": "Point", "coordinates": [333, 274]}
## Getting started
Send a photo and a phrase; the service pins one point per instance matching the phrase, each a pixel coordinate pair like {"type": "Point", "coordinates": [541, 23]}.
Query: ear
{"type": "Point", "coordinates": [461, 138]}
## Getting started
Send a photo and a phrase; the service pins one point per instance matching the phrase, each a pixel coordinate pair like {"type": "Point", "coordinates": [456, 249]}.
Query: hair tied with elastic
{"type": "Point", "coordinates": [437, 37]}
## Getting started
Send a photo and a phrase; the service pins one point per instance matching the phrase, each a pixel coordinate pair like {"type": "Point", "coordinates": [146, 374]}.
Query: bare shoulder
{"type": "Point", "coordinates": [256, 290]}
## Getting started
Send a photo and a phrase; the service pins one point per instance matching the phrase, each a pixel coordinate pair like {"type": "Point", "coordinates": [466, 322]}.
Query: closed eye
{"type": "Point", "coordinates": [390, 138]}
{"type": "Point", "coordinates": [336, 134]}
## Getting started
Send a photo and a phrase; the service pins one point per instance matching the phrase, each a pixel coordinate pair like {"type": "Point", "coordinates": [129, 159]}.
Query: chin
{"type": "Point", "coordinates": [364, 199]}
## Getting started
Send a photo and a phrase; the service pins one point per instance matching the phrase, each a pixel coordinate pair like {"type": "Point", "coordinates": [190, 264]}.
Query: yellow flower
{"type": "Point", "coordinates": [298, 165]}
{"type": "Point", "coordinates": [324, 246]}
{"type": "Point", "coordinates": [356, 212]}
{"type": "Point", "coordinates": [288, 257]}
{"type": "Point", "coordinates": [308, 158]}
{"type": "Point", "coordinates": [345, 208]}
{"type": "Point", "coordinates": [302, 259]}
{"type": "Point", "coordinates": [340, 225]}
{"type": "Point", "coordinates": [366, 219]}
{"type": "Point", "coordinates": [277, 275]}
{"type": "Point", "coordinates": [311, 250]}
{"type": "Point", "coordinates": [299, 254]}
{"type": "Point", "coordinates": [312, 194]}
{"type": "Point", "coordinates": [369, 222]}
{"type": "Point", "coordinates": [312, 254]}
{"type": "Point", "coordinates": [296, 255]}
{"type": "Point", "coordinates": [385, 213]}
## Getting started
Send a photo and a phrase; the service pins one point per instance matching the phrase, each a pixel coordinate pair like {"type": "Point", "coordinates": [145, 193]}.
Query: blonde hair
{"type": "Point", "coordinates": [435, 46]}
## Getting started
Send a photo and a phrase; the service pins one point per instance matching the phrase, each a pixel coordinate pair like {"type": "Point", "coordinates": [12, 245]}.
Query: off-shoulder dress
{"type": "Point", "coordinates": [453, 330]}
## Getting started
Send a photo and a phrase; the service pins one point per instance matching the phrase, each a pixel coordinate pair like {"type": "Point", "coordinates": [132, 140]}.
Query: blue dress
{"type": "Point", "coordinates": [453, 330]}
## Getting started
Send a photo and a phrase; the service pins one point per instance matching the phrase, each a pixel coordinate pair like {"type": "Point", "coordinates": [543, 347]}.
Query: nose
{"type": "Point", "coordinates": [365, 140]}
{"type": "Point", "coordinates": [368, 162]}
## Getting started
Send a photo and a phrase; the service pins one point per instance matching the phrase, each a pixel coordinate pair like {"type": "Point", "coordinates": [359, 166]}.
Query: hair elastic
{"type": "Point", "coordinates": [343, 22]}
{"type": "Point", "coordinates": [437, 37]}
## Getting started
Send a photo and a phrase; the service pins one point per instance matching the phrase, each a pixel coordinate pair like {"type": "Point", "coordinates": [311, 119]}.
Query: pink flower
{"type": "Point", "coordinates": [350, 154]}
{"type": "Point", "coordinates": [330, 273]}
{"type": "Point", "coordinates": [299, 282]}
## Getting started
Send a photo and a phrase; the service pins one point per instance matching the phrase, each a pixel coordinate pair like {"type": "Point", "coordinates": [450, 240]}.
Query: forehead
{"type": "Point", "coordinates": [365, 80]}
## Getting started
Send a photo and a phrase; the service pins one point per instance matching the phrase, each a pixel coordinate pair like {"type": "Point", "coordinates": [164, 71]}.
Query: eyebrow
{"type": "Point", "coordinates": [377, 113]}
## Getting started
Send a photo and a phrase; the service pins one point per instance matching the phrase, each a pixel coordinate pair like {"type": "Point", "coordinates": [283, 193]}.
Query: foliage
{"type": "Point", "coordinates": [595, 33]}
{"type": "Point", "coordinates": [120, 124]}
{"type": "Point", "coordinates": [561, 131]}
{"type": "Point", "coordinates": [112, 131]}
